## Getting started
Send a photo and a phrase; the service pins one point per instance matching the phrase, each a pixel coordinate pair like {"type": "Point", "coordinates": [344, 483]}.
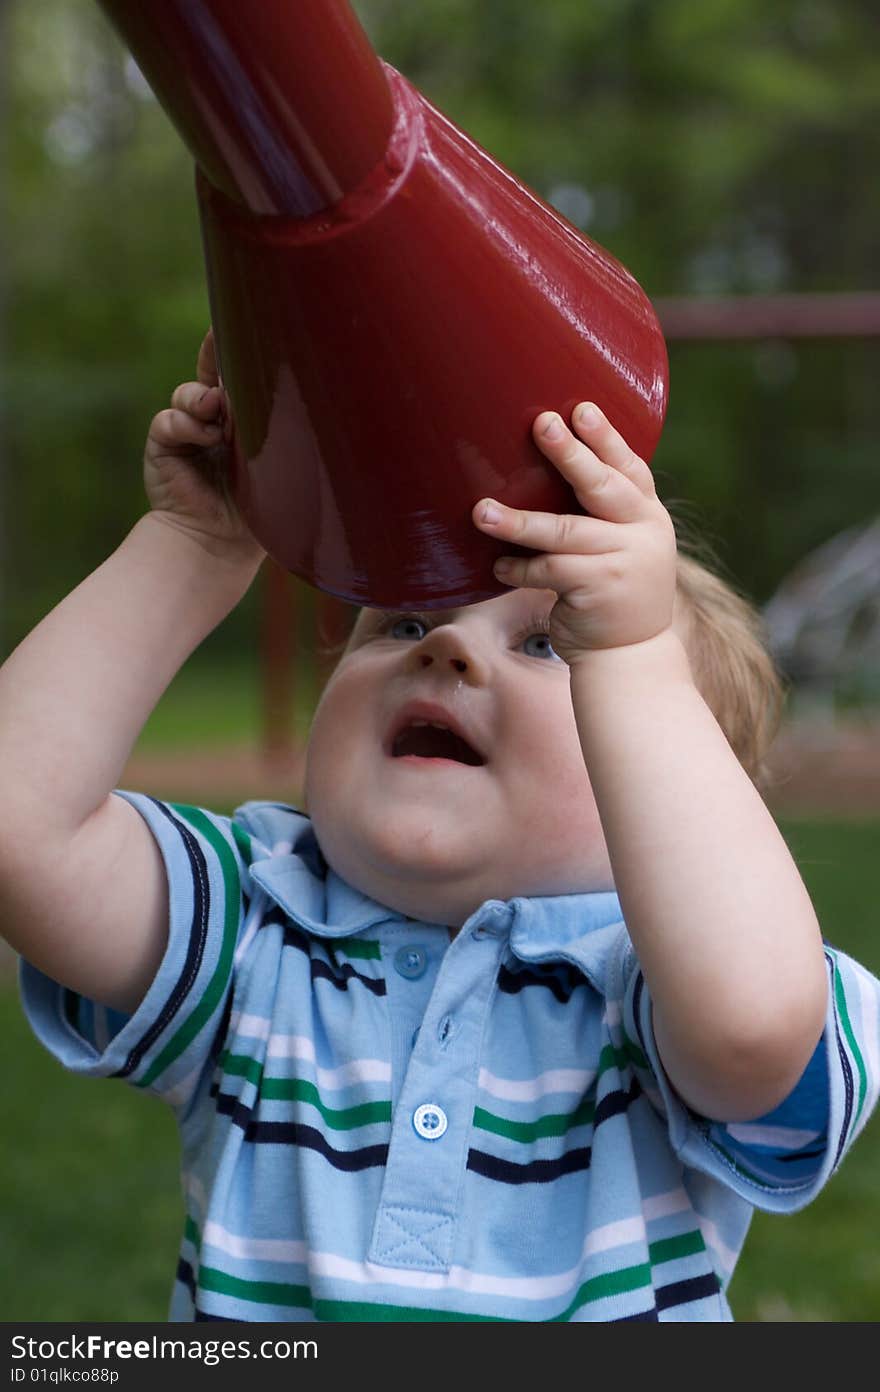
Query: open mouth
{"type": "Point", "coordinates": [426, 739]}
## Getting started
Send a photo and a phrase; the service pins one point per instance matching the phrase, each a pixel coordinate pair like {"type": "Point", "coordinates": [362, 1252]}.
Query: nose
{"type": "Point", "coordinates": [448, 649]}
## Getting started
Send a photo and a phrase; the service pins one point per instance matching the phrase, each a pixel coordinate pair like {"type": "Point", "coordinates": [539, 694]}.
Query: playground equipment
{"type": "Point", "coordinates": [391, 307]}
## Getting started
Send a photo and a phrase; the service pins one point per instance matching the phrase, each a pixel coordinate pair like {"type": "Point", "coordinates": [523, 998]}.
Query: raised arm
{"type": "Point", "coordinates": [82, 886]}
{"type": "Point", "coordinates": [720, 919]}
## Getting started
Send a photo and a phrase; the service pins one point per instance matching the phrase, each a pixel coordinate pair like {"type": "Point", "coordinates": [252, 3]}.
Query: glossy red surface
{"type": "Point", "coordinates": [282, 102]}
{"type": "Point", "coordinates": [385, 356]}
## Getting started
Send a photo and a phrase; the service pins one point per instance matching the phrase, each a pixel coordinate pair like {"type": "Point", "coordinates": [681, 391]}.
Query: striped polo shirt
{"type": "Point", "coordinates": [378, 1123]}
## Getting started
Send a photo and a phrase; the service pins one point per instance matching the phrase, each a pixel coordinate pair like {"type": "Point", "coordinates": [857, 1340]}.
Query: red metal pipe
{"type": "Point", "coordinates": [226, 70]}
{"type": "Point", "coordinates": [384, 355]}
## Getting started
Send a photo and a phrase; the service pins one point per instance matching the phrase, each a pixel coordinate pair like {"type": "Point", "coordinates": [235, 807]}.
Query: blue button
{"type": "Point", "coordinates": [430, 1121]}
{"type": "Point", "coordinates": [411, 962]}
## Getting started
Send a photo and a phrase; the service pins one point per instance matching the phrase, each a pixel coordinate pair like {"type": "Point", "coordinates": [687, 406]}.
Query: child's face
{"type": "Point", "coordinates": [432, 823]}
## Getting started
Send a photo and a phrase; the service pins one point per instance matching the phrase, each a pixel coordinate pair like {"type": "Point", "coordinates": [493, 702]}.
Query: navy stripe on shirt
{"type": "Point", "coordinates": [338, 975]}
{"type": "Point", "coordinates": [683, 1292]}
{"type": "Point", "coordinates": [195, 947]}
{"type": "Point", "coordinates": [570, 1162]}
{"type": "Point", "coordinates": [295, 1134]}
{"type": "Point", "coordinates": [562, 982]}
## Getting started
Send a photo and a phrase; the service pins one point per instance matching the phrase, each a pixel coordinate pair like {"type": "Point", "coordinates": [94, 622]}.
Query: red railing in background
{"type": "Point", "coordinates": [770, 316]}
{"type": "Point", "coordinates": [721, 319]}
{"type": "Point", "coordinates": [295, 618]}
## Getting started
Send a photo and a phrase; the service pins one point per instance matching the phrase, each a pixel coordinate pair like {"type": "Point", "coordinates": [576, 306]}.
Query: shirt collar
{"type": "Point", "coordinates": [303, 885]}
{"type": "Point", "coordinates": [581, 928]}
{"type": "Point", "coordinates": [584, 929]}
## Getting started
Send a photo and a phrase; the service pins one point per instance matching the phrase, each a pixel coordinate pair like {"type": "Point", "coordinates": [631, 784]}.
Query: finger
{"type": "Point", "coordinates": [601, 490]}
{"type": "Point", "coordinates": [206, 367]}
{"type": "Point", "coordinates": [199, 400]}
{"type": "Point", "coordinates": [596, 430]}
{"type": "Point", "coordinates": [562, 533]}
{"type": "Point", "coordinates": [545, 572]}
{"type": "Point", "coordinates": [172, 428]}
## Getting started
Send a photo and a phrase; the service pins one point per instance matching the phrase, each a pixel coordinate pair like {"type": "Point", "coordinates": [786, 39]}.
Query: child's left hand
{"type": "Point", "coordinates": [614, 570]}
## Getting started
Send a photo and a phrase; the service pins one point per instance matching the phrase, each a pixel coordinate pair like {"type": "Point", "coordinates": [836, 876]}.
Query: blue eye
{"type": "Point", "coordinates": [539, 645]}
{"type": "Point", "coordinates": [409, 627]}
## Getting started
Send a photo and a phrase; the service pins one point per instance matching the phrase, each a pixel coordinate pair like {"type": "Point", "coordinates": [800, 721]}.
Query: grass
{"type": "Point", "coordinates": [91, 1212]}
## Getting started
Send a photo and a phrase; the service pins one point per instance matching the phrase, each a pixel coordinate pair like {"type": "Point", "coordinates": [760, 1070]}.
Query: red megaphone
{"type": "Point", "coordinates": [392, 308]}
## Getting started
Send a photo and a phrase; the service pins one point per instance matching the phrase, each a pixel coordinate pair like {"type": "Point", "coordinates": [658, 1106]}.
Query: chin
{"type": "Point", "coordinates": [389, 857]}
{"type": "Point", "coordinates": [418, 846]}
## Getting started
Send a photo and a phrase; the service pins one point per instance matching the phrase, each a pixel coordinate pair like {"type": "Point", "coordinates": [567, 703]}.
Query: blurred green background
{"type": "Point", "coordinates": [728, 147]}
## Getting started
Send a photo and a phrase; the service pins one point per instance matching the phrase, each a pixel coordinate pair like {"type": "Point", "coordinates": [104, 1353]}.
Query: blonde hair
{"type": "Point", "coordinates": [731, 665]}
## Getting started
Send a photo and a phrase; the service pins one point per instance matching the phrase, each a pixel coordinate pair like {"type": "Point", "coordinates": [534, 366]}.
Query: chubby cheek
{"type": "Point", "coordinates": [336, 736]}
{"type": "Point", "coordinates": [572, 812]}
{"type": "Point", "coordinates": [560, 820]}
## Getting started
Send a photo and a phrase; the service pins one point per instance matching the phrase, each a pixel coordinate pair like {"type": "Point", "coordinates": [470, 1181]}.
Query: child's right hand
{"type": "Point", "coordinates": [186, 464]}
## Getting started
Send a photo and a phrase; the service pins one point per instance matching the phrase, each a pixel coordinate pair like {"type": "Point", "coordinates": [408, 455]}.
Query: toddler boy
{"type": "Point", "coordinates": [530, 1010]}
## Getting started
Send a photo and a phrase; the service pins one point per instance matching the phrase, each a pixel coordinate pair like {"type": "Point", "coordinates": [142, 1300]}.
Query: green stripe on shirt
{"type": "Point", "coordinates": [840, 998]}
{"type": "Point", "coordinates": [290, 1295]}
{"type": "Point", "coordinates": [364, 948]}
{"type": "Point", "coordinates": [243, 842]}
{"type": "Point", "coordinates": [300, 1090]}
{"type": "Point", "coordinates": [554, 1124]}
{"type": "Point", "coordinates": [343, 1119]}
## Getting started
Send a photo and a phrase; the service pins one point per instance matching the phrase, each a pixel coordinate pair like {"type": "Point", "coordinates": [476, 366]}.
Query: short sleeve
{"type": "Point", "coordinates": [780, 1161]}
{"type": "Point", "coordinates": [167, 1044]}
